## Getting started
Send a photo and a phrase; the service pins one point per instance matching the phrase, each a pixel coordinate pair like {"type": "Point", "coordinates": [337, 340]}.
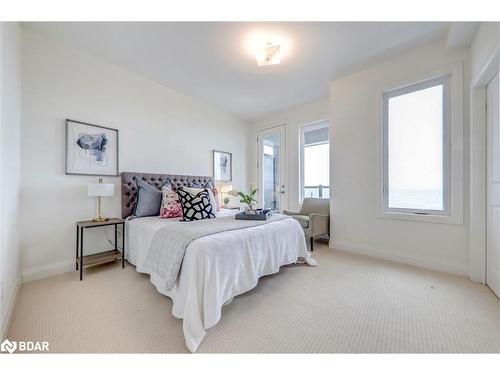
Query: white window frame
{"type": "Point", "coordinates": [325, 123]}
{"type": "Point", "coordinates": [451, 78]}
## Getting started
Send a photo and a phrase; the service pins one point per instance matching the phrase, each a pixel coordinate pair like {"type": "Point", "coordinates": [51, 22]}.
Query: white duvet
{"type": "Point", "coordinates": [218, 267]}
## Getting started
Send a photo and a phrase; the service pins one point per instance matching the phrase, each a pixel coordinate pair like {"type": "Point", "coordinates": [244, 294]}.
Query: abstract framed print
{"type": "Point", "coordinates": [223, 166]}
{"type": "Point", "coordinates": [91, 149]}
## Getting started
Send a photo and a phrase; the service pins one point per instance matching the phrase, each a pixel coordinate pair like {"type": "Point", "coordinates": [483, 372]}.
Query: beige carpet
{"type": "Point", "coordinates": [349, 304]}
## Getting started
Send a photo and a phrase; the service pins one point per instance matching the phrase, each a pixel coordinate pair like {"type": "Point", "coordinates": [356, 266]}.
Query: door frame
{"type": "Point", "coordinates": [283, 164]}
{"type": "Point", "coordinates": [478, 143]}
{"type": "Point", "coordinates": [492, 187]}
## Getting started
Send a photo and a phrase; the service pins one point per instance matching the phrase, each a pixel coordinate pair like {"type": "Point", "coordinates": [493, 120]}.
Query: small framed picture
{"type": "Point", "coordinates": [91, 149]}
{"type": "Point", "coordinates": [223, 166]}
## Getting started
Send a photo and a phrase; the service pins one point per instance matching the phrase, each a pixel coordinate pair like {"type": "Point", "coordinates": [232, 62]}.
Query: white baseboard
{"type": "Point", "coordinates": [40, 272]}
{"type": "Point", "coordinates": [4, 329]}
{"type": "Point", "coordinates": [432, 264]}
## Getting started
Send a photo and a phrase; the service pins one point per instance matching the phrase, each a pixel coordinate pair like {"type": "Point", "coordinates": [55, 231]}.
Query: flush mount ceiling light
{"type": "Point", "coordinates": [268, 55]}
{"type": "Point", "coordinates": [267, 46]}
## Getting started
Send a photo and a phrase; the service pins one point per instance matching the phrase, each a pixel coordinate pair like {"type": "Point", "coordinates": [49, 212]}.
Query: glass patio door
{"type": "Point", "coordinates": [271, 168]}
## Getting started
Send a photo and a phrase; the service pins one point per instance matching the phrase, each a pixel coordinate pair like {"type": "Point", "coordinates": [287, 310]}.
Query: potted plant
{"type": "Point", "coordinates": [249, 200]}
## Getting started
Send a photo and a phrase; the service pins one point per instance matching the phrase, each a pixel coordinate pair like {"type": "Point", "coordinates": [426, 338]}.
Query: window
{"type": "Point", "coordinates": [315, 160]}
{"type": "Point", "coordinates": [417, 155]}
{"type": "Point", "coordinates": [268, 150]}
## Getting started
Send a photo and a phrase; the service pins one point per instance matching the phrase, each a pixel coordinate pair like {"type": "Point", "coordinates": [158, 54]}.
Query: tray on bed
{"type": "Point", "coordinates": [259, 215]}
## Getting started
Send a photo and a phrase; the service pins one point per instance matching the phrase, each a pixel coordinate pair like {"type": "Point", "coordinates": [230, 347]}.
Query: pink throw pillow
{"type": "Point", "coordinates": [170, 204]}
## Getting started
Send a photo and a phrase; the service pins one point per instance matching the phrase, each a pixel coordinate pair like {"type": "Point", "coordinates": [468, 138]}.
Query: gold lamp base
{"type": "Point", "coordinates": [100, 190]}
{"type": "Point", "coordinates": [100, 219]}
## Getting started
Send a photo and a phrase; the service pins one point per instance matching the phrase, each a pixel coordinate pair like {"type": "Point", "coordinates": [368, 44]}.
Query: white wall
{"type": "Point", "coordinates": [293, 118]}
{"type": "Point", "coordinates": [355, 116]}
{"type": "Point", "coordinates": [161, 131]}
{"type": "Point", "coordinates": [10, 157]}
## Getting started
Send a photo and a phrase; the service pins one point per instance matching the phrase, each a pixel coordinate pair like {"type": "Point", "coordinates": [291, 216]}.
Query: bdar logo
{"type": "Point", "coordinates": [8, 346]}
{"type": "Point", "coordinates": [24, 346]}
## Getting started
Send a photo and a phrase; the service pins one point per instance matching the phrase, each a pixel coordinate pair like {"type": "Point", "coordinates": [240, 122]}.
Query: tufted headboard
{"type": "Point", "coordinates": [129, 186]}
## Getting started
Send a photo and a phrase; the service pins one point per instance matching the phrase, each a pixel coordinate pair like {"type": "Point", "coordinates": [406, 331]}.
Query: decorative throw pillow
{"type": "Point", "coordinates": [213, 200]}
{"type": "Point", "coordinates": [215, 192]}
{"type": "Point", "coordinates": [148, 199]}
{"type": "Point", "coordinates": [170, 204]}
{"type": "Point", "coordinates": [195, 206]}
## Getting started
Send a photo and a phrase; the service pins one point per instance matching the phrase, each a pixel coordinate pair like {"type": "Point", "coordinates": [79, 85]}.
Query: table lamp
{"type": "Point", "coordinates": [224, 189]}
{"type": "Point", "coordinates": [100, 190]}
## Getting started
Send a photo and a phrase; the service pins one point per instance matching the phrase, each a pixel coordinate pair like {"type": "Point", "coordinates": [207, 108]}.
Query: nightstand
{"type": "Point", "coordinates": [84, 261]}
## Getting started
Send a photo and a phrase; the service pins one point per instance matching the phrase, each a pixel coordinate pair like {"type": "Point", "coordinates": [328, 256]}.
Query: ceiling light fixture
{"type": "Point", "coordinates": [268, 55]}
{"type": "Point", "coordinates": [267, 46]}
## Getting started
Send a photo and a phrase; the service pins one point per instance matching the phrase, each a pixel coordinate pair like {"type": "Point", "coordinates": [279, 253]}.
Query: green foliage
{"type": "Point", "coordinates": [248, 198]}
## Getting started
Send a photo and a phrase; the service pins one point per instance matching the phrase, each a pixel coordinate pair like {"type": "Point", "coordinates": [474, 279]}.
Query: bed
{"type": "Point", "coordinates": [215, 268]}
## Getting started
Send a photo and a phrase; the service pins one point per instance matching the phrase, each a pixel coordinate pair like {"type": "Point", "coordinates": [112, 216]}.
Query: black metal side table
{"type": "Point", "coordinates": [84, 261]}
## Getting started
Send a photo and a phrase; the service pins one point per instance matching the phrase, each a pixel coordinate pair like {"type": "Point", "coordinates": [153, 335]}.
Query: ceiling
{"type": "Point", "coordinates": [214, 61]}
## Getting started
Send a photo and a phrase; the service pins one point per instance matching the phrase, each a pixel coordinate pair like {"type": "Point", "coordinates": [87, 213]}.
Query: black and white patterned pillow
{"type": "Point", "coordinates": [195, 207]}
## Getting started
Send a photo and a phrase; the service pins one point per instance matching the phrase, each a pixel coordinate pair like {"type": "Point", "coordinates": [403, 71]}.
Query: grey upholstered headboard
{"type": "Point", "coordinates": [129, 186]}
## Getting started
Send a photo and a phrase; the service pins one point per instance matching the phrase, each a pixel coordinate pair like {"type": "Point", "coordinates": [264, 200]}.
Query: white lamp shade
{"type": "Point", "coordinates": [226, 188]}
{"type": "Point", "coordinates": [101, 190]}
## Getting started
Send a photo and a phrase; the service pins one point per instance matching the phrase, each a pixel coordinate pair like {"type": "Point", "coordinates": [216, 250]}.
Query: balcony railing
{"type": "Point", "coordinates": [317, 191]}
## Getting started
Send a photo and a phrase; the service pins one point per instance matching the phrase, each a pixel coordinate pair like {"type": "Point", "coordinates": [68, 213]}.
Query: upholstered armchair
{"type": "Point", "coordinates": [314, 217]}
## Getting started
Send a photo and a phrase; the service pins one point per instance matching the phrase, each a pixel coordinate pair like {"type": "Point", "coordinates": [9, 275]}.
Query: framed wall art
{"type": "Point", "coordinates": [223, 166]}
{"type": "Point", "coordinates": [91, 149]}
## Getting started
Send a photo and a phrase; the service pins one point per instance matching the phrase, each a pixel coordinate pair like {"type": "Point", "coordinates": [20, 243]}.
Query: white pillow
{"type": "Point", "coordinates": [194, 191]}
